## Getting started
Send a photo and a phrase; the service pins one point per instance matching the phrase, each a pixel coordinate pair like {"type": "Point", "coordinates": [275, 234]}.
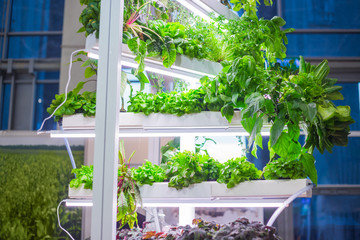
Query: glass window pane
{"type": "Point", "coordinates": [267, 12]}
{"type": "Point", "coordinates": [323, 45]}
{"type": "Point", "coordinates": [327, 217]}
{"type": "Point", "coordinates": [48, 75]}
{"type": "Point", "coordinates": [3, 4]}
{"type": "Point", "coordinates": [44, 95]}
{"type": "Point", "coordinates": [340, 167]}
{"type": "Point", "coordinates": [34, 47]}
{"type": "Point", "coordinates": [5, 106]}
{"type": "Point", "coordinates": [37, 15]}
{"type": "Point", "coordinates": [330, 14]}
{"type": "Point", "coordinates": [1, 46]}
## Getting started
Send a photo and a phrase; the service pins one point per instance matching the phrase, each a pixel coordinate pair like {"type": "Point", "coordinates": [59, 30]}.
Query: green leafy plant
{"type": "Point", "coordinates": [148, 173]}
{"type": "Point", "coordinates": [90, 17]}
{"type": "Point", "coordinates": [90, 64]}
{"type": "Point", "coordinates": [84, 103]}
{"type": "Point", "coordinates": [172, 103]}
{"type": "Point", "coordinates": [128, 193]}
{"type": "Point", "coordinates": [284, 169]}
{"type": "Point", "coordinates": [187, 168]}
{"type": "Point", "coordinates": [84, 175]}
{"type": "Point", "coordinates": [235, 171]}
{"type": "Point", "coordinates": [170, 149]}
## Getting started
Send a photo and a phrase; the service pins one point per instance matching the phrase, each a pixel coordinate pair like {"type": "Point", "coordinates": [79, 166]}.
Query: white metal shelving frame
{"type": "Point", "coordinates": [103, 224]}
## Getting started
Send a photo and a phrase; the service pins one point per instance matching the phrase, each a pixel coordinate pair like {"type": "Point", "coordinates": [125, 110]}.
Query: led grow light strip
{"type": "Point", "coordinates": [209, 203]}
{"type": "Point", "coordinates": [167, 133]}
{"type": "Point", "coordinates": [196, 8]}
{"type": "Point", "coordinates": [192, 203]}
{"type": "Point", "coordinates": [78, 202]}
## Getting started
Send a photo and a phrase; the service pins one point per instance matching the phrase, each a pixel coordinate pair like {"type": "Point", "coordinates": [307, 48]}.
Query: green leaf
{"type": "Point", "coordinates": [302, 67]}
{"type": "Point", "coordinates": [87, 62]}
{"type": "Point", "coordinates": [228, 112]}
{"type": "Point", "coordinates": [294, 131]}
{"type": "Point", "coordinates": [89, 72]}
{"type": "Point", "coordinates": [123, 83]}
{"type": "Point", "coordinates": [276, 130]}
{"type": "Point", "coordinates": [334, 96]}
{"type": "Point", "coordinates": [133, 44]}
{"type": "Point", "coordinates": [253, 104]}
{"type": "Point", "coordinates": [82, 29]}
{"type": "Point", "coordinates": [326, 112]}
{"type": "Point", "coordinates": [308, 161]}
{"type": "Point", "coordinates": [278, 21]}
{"type": "Point", "coordinates": [78, 87]}
{"type": "Point", "coordinates": [309, 110]}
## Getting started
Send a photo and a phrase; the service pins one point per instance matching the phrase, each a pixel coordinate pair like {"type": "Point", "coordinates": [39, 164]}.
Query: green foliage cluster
{"type": "Point", "coordinates": [148, 173]}
{"type": "Point", "coordinates": [250, 80]}
{"type": "Point", "coordinates": [90, 17]}
{"type": "Point", "coordinates": [235, 171]}
{"type": "Point", "coordinates": [84, 175]}
{"type": "Point", "coordinates": [284, 169]}
{"type": "Point", "coordinates": [172, 103]}
{"type": "Point", "coordinates": [187, 168]}
{"type": "Point", "coordinates": [32, 183]}
{"type": "Point", "coordinates": [84, 103]}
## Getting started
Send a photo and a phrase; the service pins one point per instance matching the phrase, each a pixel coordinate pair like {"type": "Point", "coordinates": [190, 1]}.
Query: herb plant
{"type": "Point", "coordinates": [235, 171]}
{"type": "Point", "coordinates": [171, 103]}
{"type": "Point", "coordinates": [187, 168]}
{"type": "Point", "coordinates": [84, 175]}
{"type": "Point", "coordinates": [148, 173]}
{"type": "Point", "coordinates": [284, 169]}
{"type": "Point", "coordinates": [90, 17]}
{"type": "Point", "coordinates": [84, 103]}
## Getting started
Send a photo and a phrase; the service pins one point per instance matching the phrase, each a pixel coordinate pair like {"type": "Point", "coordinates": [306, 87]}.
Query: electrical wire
{"type": "Point", "coordinates": [286, 203]}
{"type": "Point", "coordinates": [57, 211]}
{"type": "Point", "coordinates": [66, 89]}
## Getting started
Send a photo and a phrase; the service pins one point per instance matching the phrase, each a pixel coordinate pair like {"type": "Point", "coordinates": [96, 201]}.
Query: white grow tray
{"type": "Point", "coordinates": [256, 189]}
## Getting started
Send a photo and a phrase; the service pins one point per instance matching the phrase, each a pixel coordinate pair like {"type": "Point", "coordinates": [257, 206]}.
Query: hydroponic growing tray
{"type": "Point", "coordinates": [211, 190]}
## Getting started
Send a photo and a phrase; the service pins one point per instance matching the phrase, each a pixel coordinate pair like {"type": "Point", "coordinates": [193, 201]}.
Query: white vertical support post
{"type": "Point", "coordinates": [103, 224]}
{"type": "Point", "coordinates": [187, 214]}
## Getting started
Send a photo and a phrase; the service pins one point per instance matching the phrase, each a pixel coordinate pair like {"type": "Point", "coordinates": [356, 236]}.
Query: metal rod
{"type": "Point", "coordinates": [1, 100]}
{"type": "Point", "coordinates": [33, 94]}
{"type": "Point", "coordinates": [6, 29]}
{"type": "Point", "coordinates": [324, 31]}
{"type": "Point", "coordinates": [279, 8]}
{"type": "Point", "coordinates": [29, 81]}
{"type": "Point", "coordinates": [12, 90]}
{"type": "Point", "coordinates": [35, 33]}
{"type": "Point", "coordinates": [68, 148]}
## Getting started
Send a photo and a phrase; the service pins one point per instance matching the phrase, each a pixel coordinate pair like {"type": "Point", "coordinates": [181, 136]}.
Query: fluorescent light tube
{"type": "Point", "coordinates": [93, 55]}
{"type": "Point", "coordinates": [78, 203]}
{"type": "Point", "coordinates": [166, 133]}
{"type": "Point", "coordinates": [196, 9]}
{"type": "Point", "coordinates": [210, 205]}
